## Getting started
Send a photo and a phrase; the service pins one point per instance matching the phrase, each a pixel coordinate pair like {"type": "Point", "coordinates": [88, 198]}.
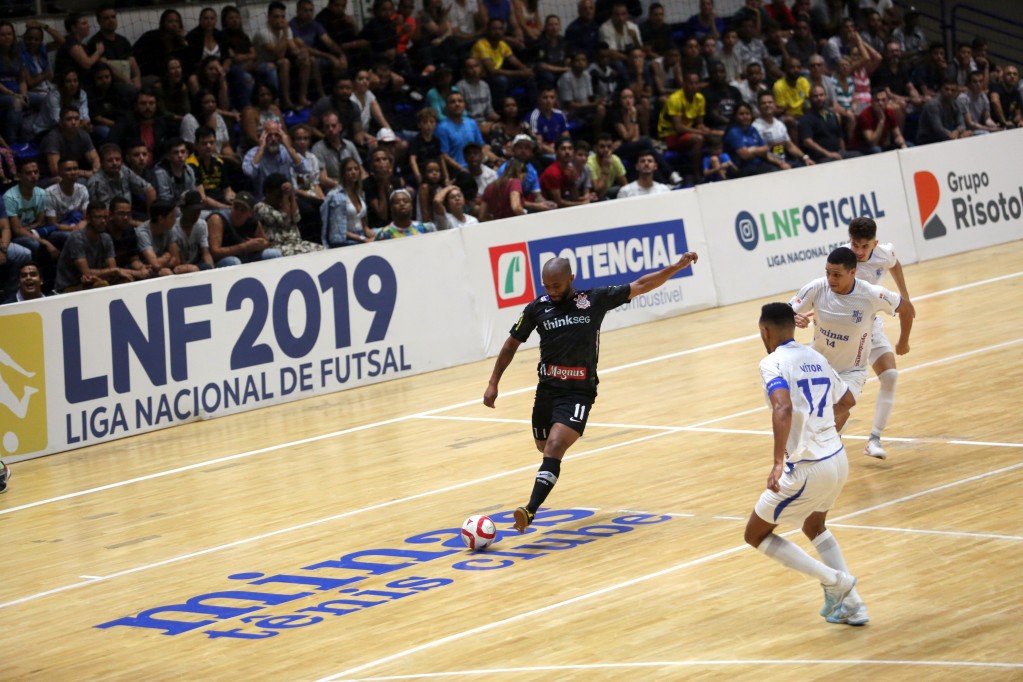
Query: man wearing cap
{"type": "Point", "coordinates": [193, 233]}
{"type": "Point", "coordinates": [239, 238]}
{"type": "Point", "coordinates": [457, 131]}
{"type": "Point", "coordinates": [522, 149]}
{"type": "Point", "coordinates": [402, 225]}
{"type": "Point", "coordinates": [273, 155]}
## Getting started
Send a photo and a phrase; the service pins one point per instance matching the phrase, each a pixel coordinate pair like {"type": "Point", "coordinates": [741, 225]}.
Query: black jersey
{"type": "Point", "coordinates": [569, 335]}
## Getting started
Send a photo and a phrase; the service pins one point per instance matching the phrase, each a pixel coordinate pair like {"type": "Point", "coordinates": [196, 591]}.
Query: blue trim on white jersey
{"type": "Point", "coordinates": [775, 384]}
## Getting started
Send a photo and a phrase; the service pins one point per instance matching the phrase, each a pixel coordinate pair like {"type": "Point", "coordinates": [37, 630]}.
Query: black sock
{"type": "Point", "coordinates": [546, 477]}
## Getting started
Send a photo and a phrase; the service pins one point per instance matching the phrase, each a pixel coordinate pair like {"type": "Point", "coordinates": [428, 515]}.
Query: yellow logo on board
{"type": "Point", "coordinates": [22, 384]}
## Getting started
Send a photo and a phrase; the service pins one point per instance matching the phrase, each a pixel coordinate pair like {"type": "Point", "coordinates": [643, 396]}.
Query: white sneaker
{"type": "Point", "coordinates": [675, 178]}
{"type": "Point", "coordinates": [835, 594]}
{"type": "Point", "coordinates": [850, 613]}
{"type": "Point", "coordinates": [874, 449]}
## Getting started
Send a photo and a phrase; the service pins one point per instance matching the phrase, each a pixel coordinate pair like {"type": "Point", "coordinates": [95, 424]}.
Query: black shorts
{"type": "Point", "coordinates": [559, 407]}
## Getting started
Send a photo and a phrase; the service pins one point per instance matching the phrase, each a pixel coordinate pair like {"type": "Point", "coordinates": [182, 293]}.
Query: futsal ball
{"type": "Point", "coordinates": [478, 532]}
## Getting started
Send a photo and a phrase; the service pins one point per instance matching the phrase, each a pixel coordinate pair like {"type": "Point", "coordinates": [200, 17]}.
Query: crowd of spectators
{"type": "Point", "coordinates": [205, 146]}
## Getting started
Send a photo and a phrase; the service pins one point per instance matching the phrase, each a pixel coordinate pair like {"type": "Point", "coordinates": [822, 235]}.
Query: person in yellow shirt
{"type": "Point", "coordinates": [501, 68]}
{"type": "Point", "coordinates": [680, 124]}
{"type": "Point", "coordinates": [792, 95]}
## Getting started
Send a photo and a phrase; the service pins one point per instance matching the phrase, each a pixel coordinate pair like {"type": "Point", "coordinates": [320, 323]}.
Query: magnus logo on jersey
{"type": "Point", "coordinates": [23, 419]}
{"type": "Point", "coordinates": [600, 258]}
{"type": "Point", "coordinates": [792, 222]}
{"type": "Point", "coordinates": [973, 199]}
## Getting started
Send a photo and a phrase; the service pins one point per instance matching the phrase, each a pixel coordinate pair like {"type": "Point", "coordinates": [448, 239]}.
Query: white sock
{"type": "Point", "coordinates": [792, 556]}
{"type": "Point", "coordinates": [885, 401]}
{"type": "Point", "coordinates": [831, 554]}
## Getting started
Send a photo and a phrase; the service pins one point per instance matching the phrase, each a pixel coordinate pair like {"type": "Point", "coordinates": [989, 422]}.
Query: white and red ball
{"type": "Point", "coordinates": [478, 532]}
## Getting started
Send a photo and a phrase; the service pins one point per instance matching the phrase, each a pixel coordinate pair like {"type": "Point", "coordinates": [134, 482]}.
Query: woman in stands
{"type": "Point", "coordinates": [172, 98]}
{"type": "Point", "coordinates": [503, 197]}
{"type": "Point", "coordinates": [155, 47]}
{"type": "Point", "coordinates": [256, 114]}
{"type": "Point", "coordinates": [343, 212]}
{"type": "Point", "coordinates": [13, 90]}
{"type": "Point", "coordinates": [204, 113]}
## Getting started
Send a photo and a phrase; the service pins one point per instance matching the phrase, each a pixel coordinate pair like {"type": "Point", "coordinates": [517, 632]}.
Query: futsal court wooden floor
{"type": "Point", "coordinates": [639, 573]}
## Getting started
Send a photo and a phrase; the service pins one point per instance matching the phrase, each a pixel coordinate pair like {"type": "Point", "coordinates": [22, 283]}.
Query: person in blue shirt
{"type": "Point", "coordinates": [457, 131]}
{"type": "Point", "coordinates": [745, 145]}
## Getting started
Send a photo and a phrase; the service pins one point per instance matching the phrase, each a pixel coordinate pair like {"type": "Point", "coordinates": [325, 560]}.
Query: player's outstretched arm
{"type": "Point", "coordinates": [842, 409]}
{"type": "Point", "coordinates": [651, 281]}
{"type": "Point", "coordinates": [906, 313]}
{"type": "Point", "coordinates": [504, 359]}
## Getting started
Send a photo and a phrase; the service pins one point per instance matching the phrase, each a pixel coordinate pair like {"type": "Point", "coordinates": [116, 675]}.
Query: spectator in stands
{"type": "Point", "coordinates": [655, 32]}
{"type": "Point", "coordinates": [480, 173]}
{"type": "Point", "coordinates": [547, 121]}
{"type": "Point", "coordinates": [206, 42]}
{"type": "Point", "coordinates": [752, 86]}
{"type": "Point", "coordinates": [67, 93]}
{"type": "Point", "coordinates": [781, 15]}
{"type": "Point", "coordinates": [826, 17]}
{"type": "Point", "coordinates": [504, 197]}
{"type": "Point", "coordinates": [705, 22]}
{"type": "Point", "coordinates": [941, 118]}
{"type": "Point", "coordinates": [35, 61]}
{"type": "Point", "coordinates": [878, 126]}
{"type": "Point", "coordinates": [625, 120]}
{"type": "Point", "coordinates": [1006, 99]}
{"type": "Point", "coordinates": [67, 200]}
{"type": "Point", "coordinates": [605, 76]}
{"type": "Point", "coordinates": [721, 99]}
{"type": "Point", "coordinates": [114, 180]}
{"type": "Point", "coordinates": [620, 34]}
{"type": "Point", "coordinates": [275, 154]}
{"type": "Point", "coordinates": [342, 30]}
{"type": "Point", "coordinates": [279, 215]}
{"type": "Point", "coordinates": [551, 53]}
{"type": "Point", "coordinates": [557, 182]}
{"type": "Point", "coordinates": [340, 102]}
{"type": "Point", "coordinates": [426, 145]}
{"type": "Point", "coordinates": [776, 135]}
{"type": "Point", "coordinates": [801, 45]}
{"type": "Point", "coordinates": [523, 148]}
{"type": "Point", "coordinates": [325, 56]}
{"type": "Point", "coordinates": [87, 260]}
{"type": "Point", "coordinates": [449, 209]}
{"type": "Point", "coordinates": [158, 241]}
{"type": "Point", "coordinates": [27, 282]}
{"type": "Point", "coordinates": [117, 52]}
{"type": "Point", "coordinates": [71, 52]}
{"type": "Point", "coordinates": [25, 205]}
{"type": "Point", "coordinates": [192, 232]}
{"type": "Point", "coordinates": [479, 102]}
{"type": "Point", "coordinates": [239, 238]}
{"type": "Point", "coordinates": [644, 183]}
{"type": "Point", "coordinates": [981, 62]}
{"type": "Point", "coordinates": [13, 257]}
{"type": "Point", "coordinates": [332, 151]}
{"type": "Point", "coordinates": [139, 160]}
{"type": "Point", "coordinates": [911, 37]}
{"type": "Point", "coordinates": [69, 141]}
{"type": "Point", "coordinates": [242, 56]}
{"type": "Point", "coordinates": [261, 111]}
{"type": "Point", "coordinates": [307, 182]}
{"type": "Point", "coordinates": [575, 91]}
{"type": "Point", "coordinates": [13, 101]}
{"type": "Point", "coordinates": [371, 117]}
{"type": "Point", "coordinates": [204, 114]}
{"type": "Point", "coordinates": [583, 33]}
{"type": "Point", "coordinates": [692, 59]}
{"type": "Point", "coordinates": [962, 65]}
{"type": "Point", "coordinates": [893, 76]}
{"type": "Point", "coordinates": [172, 98]}
{"type": "Point", "coordinates": [750, 48]}
{"type": "Point", "coordinates": [928, 76]}
{"type": "Point", "coordinates": [378, 186]}
{"type": "Point", "coordinates": [502, 67]}
{"type": "Point", "coordinates": [143, 124]}
{"type": "Point", "coordinates": [381, 30]}
{"type": "Point", "coordinates": [820, 131]}
{"type": "Point", "coordinates": [343, 212]}
{"type": "Point", "coordinates": [433, 180]}
{"type": "Point", "coordinates": [456, 132]}
{"type": "Point", "coordinates": [791, 94]}
{"type": "Point", "coordinates": [121, 229]}
{"type": "Point", "coordinates": [976, 107]}
{"type": "Point", "coordinates": [680, 125]}
{"type": "Point", "coordinates": [106, 103]}
{"type": "Point", "coordinates": [728, 55]}
{"type": "Point", "coordinates": [172, 176]}
{"type": "Point", "coordinates": [210, 171]}
{"type": "Point", "coordinates": [747, 148]}
{"type": "Point", "coordinates": [402, 223]}
{"type": "Point", "coordinates": [277, 51]}
{"type": "Point", "coordinates": [606, 168]}
{"type": "Point", "coordinates": [155, 47]}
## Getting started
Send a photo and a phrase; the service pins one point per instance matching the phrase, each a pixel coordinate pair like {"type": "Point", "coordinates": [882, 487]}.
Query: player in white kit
{"type": "Point", "coordinates": [807, 399]}
{"type": "Point", "coordinates": [873, 260]}
{"type": "Point", "coordinates": [843, 309]}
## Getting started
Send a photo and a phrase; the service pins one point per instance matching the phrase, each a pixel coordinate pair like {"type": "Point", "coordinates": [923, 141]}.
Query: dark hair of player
{"type": "Point", "coordinates": [843, 256]}
{"type": "Point", "coordinates": [779, 315]}
{"type": "Point", "coordinates": [862, 228]}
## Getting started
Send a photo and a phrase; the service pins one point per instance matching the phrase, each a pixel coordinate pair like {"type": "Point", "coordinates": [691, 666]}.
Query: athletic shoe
{"type": "Point", "coordinates": [874, 449]}
{"type": "Point", "coordinates": [850, 613]}
{"type": "Point", "coordinates": [675, 178]}
{"type": "Point", "coordinates": [835, 594]}
{"type": "Point", "coordinates": [5, 475]}
{"type": "Point", "coordinates": [524, 517]}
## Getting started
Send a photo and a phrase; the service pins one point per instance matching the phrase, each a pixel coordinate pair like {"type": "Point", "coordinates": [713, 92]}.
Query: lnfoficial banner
{"type": "Point", "coordinates": [84, 368]}
{"type": "Point", "coordinates": [965, 194]}
{"type": "Point", "coordinates": [607, 243]}
{"type": "Point", "coordinates": [772, 233]}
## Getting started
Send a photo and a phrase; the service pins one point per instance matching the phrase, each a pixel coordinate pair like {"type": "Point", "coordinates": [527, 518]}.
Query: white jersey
{"type": "Point", "coordinates": [814, 388]}
{"type": "Point", "coordinates": [881, 260]}
{"type": "Point", "coordinates": [843, 322]}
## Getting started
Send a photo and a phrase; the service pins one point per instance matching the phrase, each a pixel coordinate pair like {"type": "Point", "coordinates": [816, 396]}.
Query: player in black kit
{"type": "Point", "coordinates": [568, 322]}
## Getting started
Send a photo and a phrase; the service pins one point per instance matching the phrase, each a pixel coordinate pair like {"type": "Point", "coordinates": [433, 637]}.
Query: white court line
{"type": "Point", "coordinates": [484, 672]}
{"type": "Point", "coordinates": [354, 429]}
{"type": "Point", "coordinates": [633, 581]}
{"type": "Point", "coordinates": [961, 534]}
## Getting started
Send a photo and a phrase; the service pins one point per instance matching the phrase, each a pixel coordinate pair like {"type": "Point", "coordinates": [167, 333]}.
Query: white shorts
{"type": "Point", "coordinates": [854, 378]}
{"type": "Point", "coordinates": [808, 487]}
{"type": "Point", "coordinates": [879, 343]}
